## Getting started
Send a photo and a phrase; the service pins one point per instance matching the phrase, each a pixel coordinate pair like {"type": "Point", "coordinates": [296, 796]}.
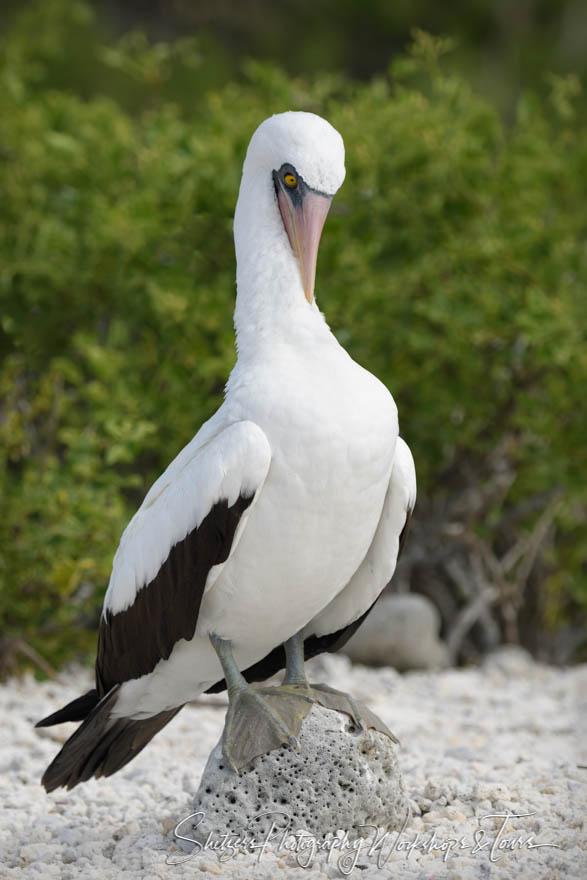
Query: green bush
{"type": "Point", "coordinates": [453, 266]}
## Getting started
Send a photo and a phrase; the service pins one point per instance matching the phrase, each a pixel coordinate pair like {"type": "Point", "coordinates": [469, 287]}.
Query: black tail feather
{"type": "Point", "coordinates": [77, 710]}
{"type": "Point", "coordinates": [102, 744]}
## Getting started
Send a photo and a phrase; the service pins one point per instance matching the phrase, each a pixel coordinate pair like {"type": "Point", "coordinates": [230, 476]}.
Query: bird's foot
{"type": "Point", "coordinates": [361, 715]}
{"type": "Point", "coordinates": [259, 720]}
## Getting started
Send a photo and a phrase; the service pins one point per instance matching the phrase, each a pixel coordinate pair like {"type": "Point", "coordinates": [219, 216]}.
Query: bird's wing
{"type": "Point", "coordinates": [174, 548]}
{"type": "Point", "coordinates": [379, 564]}
{"type": "Point", "coordinates": [336, 623]}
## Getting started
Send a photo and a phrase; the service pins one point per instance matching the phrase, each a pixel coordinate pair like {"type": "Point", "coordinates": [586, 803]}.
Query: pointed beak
{"type": "Point", "coordinates": [303, 218]}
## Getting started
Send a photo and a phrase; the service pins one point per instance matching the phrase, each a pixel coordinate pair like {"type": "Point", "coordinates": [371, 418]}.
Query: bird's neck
{"type": "Point", "coordinates": [270, 302]}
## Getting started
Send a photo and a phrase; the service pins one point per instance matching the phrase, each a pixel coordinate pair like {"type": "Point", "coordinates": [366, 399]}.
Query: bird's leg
{"type": "Point", "coordinates": [329, 697]}
{"type": "Point", "coordinates": [258, 720]}
{"type": "Point", "coordinates": [295, 673]}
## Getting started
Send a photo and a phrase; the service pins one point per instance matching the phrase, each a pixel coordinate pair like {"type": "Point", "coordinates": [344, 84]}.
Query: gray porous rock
{"type": "Point", "coordinates": [342, 778]}
{"type": "Point", "coordinates": [401, 631]}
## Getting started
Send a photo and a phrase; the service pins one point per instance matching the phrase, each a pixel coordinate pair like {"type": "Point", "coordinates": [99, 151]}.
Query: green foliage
{"type": "Point", "coordinates": [502, 48]}
{"type": "Point", "coordinates": [453, 266]}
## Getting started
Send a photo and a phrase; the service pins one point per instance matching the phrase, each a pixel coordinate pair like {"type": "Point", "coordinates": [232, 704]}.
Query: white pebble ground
{"type": "Point", "coordinates": [504, 738]}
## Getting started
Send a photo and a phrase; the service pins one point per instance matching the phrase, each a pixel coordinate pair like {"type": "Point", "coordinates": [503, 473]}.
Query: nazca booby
{"type": "Point", "coordinates": [272, 533]}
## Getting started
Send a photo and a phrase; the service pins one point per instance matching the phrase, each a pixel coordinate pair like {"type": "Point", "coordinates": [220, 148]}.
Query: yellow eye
{"type": "Point", "coordinates": [290, 180]}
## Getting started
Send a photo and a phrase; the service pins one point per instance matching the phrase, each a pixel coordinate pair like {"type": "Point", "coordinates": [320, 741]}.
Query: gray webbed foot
{"type": "Point", "coordinates": [259, 720]}
{"type": "Point", "coordinates": [361, 715]}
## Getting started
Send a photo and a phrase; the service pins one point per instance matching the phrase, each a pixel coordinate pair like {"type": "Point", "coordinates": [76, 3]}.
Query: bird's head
{"type": "Point", "coordinates": [301, 156]}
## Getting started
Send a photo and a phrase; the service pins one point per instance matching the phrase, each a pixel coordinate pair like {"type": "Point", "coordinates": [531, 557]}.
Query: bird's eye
{"type": "Point", "coordinates": [290, 180]}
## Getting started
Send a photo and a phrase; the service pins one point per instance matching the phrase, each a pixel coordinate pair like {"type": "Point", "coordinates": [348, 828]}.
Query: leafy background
{"type": "Point", "coordinates": [453, 265]}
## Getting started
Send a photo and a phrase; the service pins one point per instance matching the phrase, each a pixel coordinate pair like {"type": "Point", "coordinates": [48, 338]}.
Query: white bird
{"type": "Point", "coordinates": [272, 533]}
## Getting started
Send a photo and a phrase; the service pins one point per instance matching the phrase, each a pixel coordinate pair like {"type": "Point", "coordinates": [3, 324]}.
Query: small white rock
{"type": "Point", "coordinates": [342, 778]}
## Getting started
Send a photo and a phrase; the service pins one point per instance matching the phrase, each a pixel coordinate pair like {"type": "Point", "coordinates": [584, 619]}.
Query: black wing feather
{"type": "Point", "coordinates": [133, 641]}
{"type": "Point", "coordinates": [102, 745]}
{"type": "Point", "coordinates": [77, 710]}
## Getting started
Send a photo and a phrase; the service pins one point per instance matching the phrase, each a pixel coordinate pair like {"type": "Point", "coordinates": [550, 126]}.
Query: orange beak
{"type": "Point", "coordinates": [303, 218]}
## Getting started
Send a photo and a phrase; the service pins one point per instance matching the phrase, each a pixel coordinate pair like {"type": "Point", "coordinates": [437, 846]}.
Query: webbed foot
{"type": "Point", "coordinates": [259, 720]}
{"type": "Point", "coordinates": [361, 715]}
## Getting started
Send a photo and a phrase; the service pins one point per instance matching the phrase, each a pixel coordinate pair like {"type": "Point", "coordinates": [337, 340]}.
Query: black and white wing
{"type": "Point", "coordinates": [173, 549]}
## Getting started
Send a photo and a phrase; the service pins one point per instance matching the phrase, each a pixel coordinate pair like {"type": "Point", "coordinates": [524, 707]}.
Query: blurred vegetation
{"type": "Point", "coordinates": [453, 265]}
{"type": "Point", "coordinates": [501, 47]}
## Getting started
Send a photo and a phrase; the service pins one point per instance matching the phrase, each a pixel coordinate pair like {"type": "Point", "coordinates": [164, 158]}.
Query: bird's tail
{"type": "Point", "coordinates": [102, 744]}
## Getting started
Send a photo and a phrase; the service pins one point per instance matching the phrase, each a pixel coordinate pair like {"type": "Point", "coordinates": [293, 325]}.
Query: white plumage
{"type": "Point", "coordinates": [305, 433]}
{"type": "Point", "coordinates": [234, 462]}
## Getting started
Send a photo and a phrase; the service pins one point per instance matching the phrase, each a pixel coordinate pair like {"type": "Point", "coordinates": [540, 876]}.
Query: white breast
{"type": "Point", "coordinates": [332, 428]}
